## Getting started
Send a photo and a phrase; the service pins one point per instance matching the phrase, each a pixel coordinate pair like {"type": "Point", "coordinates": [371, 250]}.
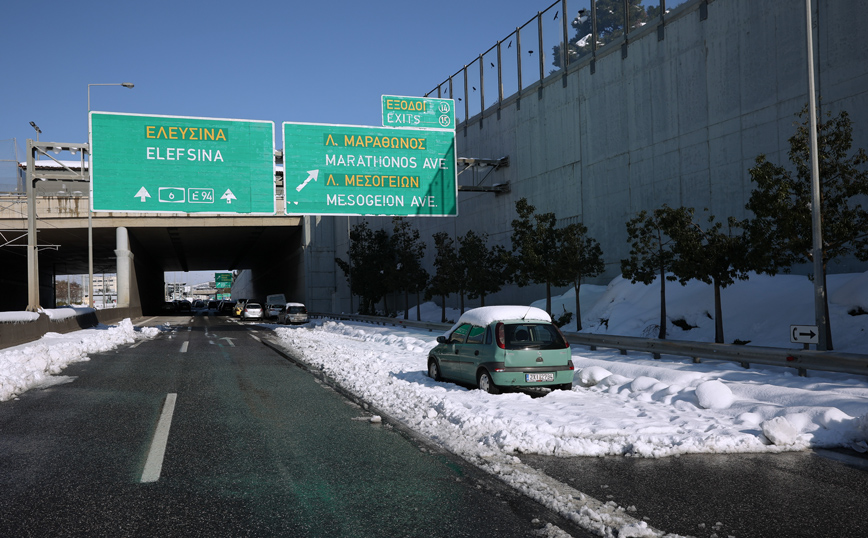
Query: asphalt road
{"type": "Point", "coordinates": [256, 447]}
{"type": "Point", "coordinates": [721, 495]}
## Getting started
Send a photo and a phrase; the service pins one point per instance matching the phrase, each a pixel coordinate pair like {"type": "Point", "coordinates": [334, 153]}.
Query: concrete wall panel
{"type": "Point", "coordinates": [677, 121]}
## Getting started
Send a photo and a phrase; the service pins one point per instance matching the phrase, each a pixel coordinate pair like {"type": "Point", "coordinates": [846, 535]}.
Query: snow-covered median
{"type": "Point", "coordinates": [37, 364]}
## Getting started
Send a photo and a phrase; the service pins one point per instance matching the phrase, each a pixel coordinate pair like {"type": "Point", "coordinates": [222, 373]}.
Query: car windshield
{"type": "Point", "coordinates": [533, 335]}
{"type": "Point", "coordinates": [253, 306]}
{"type": "Point", "coordinates": [296, 310]}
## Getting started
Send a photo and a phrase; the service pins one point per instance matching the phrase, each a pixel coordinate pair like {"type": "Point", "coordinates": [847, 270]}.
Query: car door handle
{"type": "Point", "coordinates": [476, 352]}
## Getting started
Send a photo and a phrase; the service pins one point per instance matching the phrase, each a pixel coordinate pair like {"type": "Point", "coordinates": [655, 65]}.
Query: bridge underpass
{"type": "Point", "coordinates": [270, 248]}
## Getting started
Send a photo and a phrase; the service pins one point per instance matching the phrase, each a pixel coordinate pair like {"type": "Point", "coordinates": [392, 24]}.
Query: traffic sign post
{"type": "Point", "coordinates": [179, 164]}
{"type": "Point", "coordinates": [353, 170]}
{"type": "Point", "coordinates": [418, 112]}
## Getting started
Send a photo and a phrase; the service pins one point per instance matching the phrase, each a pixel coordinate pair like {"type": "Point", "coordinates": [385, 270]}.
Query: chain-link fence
{"type": "Point", "coordinates": [11, 175]}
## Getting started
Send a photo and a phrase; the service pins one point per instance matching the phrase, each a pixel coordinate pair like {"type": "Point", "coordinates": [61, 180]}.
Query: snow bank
{"type": "Point", "coordinates": [37, 364]}
{"type": "Point", "coordinates": [620, 405]}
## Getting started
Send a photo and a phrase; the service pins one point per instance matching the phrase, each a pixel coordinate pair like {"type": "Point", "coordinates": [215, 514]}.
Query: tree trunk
{"type": "Point", "coordinates": [462, 301]}
{"type": "Point", "coordinates": [829, 346]}
{"type": "Point", "coordinates": [718, 314]}
{"type": "Point", "coordinates": [443, 309]}
{"type": "Point", "coordinates": [578, 312]}
{"type": "Point", "coordinates": [662, 334]}
{"type": "Point", "coordinates": [418, 307]}
{"type": "Point", "coordinates": [406, 304]}
{"type": "Point", "coordinates": [482, 299]}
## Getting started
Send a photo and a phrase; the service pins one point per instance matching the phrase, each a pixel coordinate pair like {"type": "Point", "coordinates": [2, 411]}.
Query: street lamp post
{"type": "Point", "coordinates": [38, 132]}
{"type": "Point", "coordinates": [90, 202]}
{"type": "Point", "coordinates": [816, 214]}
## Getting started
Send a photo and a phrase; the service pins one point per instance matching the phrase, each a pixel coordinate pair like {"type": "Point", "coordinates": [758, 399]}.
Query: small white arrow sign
{"type": "Point", "coordinates": [804, 334]}
{"type": "Point", "coordinates": [143, 193]}
{"type": "Point", "coordinates": [311, 174]}
{"type": "Point", "coordinates": [228, 196]}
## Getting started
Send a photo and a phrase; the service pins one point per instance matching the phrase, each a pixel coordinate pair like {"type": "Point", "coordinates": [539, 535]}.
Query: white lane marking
{"type": "Point", "coordinates": [154, 462]}
{"type": "Point", "coordinates": [184, 347]}
{"type": "Point", "coordinates": [255, 337]}
{"type": "Point", "coordinates": [145, 321]}
{"type": "Point", "coordinates": [137, 344]}
{"type": "Point", "coordinates": [229, 340]}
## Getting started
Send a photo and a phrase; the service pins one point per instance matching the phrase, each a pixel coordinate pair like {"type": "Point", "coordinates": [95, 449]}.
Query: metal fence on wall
{"type": "Point", "coordinates": [533, 51]}
{"type": "Point", "coordinates": [11, 174]}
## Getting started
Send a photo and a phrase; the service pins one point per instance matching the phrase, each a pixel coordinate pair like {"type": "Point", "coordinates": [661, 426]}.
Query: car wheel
{"type": "Point", "coordinates": [484, 382]}
{"type": "Point", "coordinates": [434, 370]}
{"type": "Point", "coordinates": [565, 386]}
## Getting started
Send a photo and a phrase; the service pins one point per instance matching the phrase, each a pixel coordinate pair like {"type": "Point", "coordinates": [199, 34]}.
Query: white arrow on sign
{"type": "Point", "coordinates": [143, 193]}
{"type": "Point", "coordinates": [228, 196]}
{"type": "Point", "coordinates": [311, 174]}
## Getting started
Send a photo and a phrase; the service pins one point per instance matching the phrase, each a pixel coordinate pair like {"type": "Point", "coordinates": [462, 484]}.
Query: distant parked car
{"type": "Point", "coordinates": [272, 311]}
{"type": "Point", "coordinates": [251, 311]}
{"type": "Point", "coordinates": [212, 305]}
{"type": "Point", "coordinates": [183, 306]}
{"type": "Point", "coordinates": [226, 308]}
{"type": "Point", "coordinates": [168, 308]}
{"type": "Point", "coordinates": [293, 313]}
{"type": "Point", "coordinates": [500, 347]}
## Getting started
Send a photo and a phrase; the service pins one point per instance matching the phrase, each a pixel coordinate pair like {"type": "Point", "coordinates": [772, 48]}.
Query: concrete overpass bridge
{"type": "Point", "coordinates": [139, 247]}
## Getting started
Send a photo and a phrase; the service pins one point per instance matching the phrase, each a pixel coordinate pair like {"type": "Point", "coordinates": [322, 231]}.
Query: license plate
{"type": "Point", "coordinates": [531, 378]}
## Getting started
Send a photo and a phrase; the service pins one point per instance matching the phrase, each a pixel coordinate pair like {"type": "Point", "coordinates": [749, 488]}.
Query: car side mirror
{"type": "Point", "coordinates": [442, 340]}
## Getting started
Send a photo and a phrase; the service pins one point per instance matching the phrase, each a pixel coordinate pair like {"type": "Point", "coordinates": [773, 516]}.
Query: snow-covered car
{"type": "Point", "coordinates": [500, 347]}
{"type": "Point", "coordinates": [293, 313]}
{"type": "Point", "coordinates": [251, 311]}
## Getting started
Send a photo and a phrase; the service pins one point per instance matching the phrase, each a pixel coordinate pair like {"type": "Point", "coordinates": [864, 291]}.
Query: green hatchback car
{"type": "Point", "coordinates": [498, 347]}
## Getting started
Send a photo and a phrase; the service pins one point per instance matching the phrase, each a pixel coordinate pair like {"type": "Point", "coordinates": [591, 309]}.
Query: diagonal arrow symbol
{"type": "Point", "coordinates": [311, 174]}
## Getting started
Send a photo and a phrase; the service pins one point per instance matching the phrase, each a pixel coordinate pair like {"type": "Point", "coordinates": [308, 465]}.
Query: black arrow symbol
{"type": "Point", "coordinates": [810, 334]}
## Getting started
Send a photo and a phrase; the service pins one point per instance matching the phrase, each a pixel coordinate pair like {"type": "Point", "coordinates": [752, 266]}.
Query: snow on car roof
{"type": "Point", "coordinates": [487, 314]}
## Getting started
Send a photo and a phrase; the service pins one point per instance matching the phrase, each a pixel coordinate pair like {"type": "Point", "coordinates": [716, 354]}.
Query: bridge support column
{"type": "Point", "coordinates": [124, 269]}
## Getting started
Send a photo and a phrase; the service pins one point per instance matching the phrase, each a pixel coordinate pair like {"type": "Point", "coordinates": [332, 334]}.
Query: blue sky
{"type": "Point", "coordinates": [321, 62]}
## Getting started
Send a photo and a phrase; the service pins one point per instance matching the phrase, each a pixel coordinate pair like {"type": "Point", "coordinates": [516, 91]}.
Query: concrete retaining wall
{"type": "Point", "coordinates": [676, 121]}
{"type": "Point", "coordinates": [13, 334]}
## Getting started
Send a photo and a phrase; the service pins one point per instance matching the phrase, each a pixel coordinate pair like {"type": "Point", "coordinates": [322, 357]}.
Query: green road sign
{"type": "Point", "coordinates": [353, 170]}
{"type": "Point", "coordinates": [177, 164]}
{"type": "Point", "coordinates": [222, 280]}
{"type": "Point", "coordinates": [418, 112]}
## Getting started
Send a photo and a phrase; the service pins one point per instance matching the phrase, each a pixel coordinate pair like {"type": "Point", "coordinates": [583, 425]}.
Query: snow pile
{"type": "Point", "coordinates": [620, 405]}
{"type": "Point", "coordinates": [66, 312]}
{"type": "Point", "coordinates": [759, 310]}
{"type": "Point", "coordinates": [37, 364]}
{"type": "Point", "coordinates": [18, 317]}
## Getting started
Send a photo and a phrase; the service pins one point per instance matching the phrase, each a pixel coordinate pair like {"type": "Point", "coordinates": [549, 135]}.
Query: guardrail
{"type": "Point", "coordinates": [801, 360]}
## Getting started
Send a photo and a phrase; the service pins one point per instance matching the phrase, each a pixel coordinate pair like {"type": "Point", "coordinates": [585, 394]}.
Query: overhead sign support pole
{"type": "Point", "coordinates": [32, 259]}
